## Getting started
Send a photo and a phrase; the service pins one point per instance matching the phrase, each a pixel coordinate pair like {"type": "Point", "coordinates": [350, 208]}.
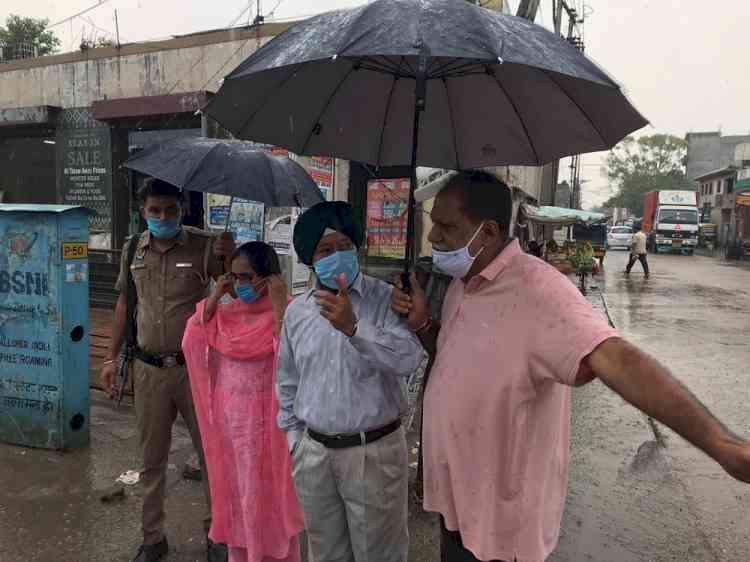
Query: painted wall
{"type": "Point", "coordinates": [186, 64]}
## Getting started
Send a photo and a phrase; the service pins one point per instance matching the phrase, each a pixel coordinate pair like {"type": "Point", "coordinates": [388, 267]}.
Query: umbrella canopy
{"type": "Point", "coordinates": [492, 89]}
{"type": "Point", "coordinates": [228, 167]}
{"type": "Point", "coordinates": [561, 216]}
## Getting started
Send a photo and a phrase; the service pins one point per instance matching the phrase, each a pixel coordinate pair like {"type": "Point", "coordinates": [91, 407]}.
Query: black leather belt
{"type": "Point", "coordinates": [343, 441]}
{"type": "Point", "coordinates": [160, 361]}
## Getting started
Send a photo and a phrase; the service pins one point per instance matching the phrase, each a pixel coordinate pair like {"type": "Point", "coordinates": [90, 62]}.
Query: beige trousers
{"type": "Point", "coordinates": [355, 500]}
{"type": "Point", "coordinates": [160, 394]}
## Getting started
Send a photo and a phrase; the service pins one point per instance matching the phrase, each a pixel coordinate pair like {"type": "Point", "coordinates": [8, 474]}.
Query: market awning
{"type": "Point", "coordinates": [561, 216]}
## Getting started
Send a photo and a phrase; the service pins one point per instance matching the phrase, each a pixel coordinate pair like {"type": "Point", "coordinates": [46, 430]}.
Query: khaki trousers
{"type": "Point", "coordinates": [160, 394]}
{"type": "Point", "coordinates": [355, 500]}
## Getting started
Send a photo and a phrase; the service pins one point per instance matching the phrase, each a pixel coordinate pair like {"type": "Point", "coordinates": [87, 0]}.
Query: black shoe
{"type": "Point", "coordinates": [216, 552]}
{"type": "Point", "coordinates": [152, 552]}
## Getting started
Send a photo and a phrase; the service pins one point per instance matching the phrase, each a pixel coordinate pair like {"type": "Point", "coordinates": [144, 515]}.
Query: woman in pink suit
{"type": "Point", "coordinates": [231, 357]}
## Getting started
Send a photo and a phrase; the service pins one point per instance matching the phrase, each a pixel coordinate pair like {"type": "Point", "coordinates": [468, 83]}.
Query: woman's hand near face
{"type": "Point", "coordinates": [223, 286]}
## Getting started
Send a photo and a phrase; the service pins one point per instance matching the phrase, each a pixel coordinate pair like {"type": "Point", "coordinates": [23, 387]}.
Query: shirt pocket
{"type": "Point", "coordinates": [141, 278]}
{"type": "Point", "coordinates": [186, 283]}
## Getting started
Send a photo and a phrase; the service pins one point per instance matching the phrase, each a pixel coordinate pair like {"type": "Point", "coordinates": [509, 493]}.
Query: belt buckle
{"type": "Point", "coordinates": [169, 361]}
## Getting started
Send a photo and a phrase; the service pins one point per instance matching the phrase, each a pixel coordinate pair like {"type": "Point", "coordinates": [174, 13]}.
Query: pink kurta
{"type": "Point", "coordinates": [497, 406]}
{"type": "Point", "coordinates": [231, 361]}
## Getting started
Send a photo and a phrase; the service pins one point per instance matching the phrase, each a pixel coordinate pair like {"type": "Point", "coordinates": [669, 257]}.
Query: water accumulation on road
{"type": "Point", "coordinates": [630, 499]}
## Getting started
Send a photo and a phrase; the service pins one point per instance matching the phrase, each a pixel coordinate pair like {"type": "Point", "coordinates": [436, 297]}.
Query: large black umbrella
{"type": "Point", "coordinates": [228, 167]}
{"type": "Point", "coordinates": [438, 83]}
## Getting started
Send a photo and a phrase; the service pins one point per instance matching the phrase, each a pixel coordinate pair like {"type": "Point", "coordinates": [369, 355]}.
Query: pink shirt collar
{"type": "Point", "coordinates": [496, 266]}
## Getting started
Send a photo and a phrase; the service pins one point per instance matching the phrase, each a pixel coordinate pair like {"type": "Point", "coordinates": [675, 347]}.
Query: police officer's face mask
{"type": "Point", "coordinates": [163, 216]}
{"type": "Point", "coordinates": [164, 229]}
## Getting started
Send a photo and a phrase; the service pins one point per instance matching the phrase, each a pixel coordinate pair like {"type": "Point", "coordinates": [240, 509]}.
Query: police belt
{"type": "Point", "coordinates": [343, 441]}
{"type": "Point", "coordinates": [160, 361]}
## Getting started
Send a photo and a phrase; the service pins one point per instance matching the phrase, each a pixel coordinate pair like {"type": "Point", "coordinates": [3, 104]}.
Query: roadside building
{"type": "Point", "coordinates": [709, 151]}
{"type": "Point", "coordinates": [742, 212]}
{"type": "Point", "coordinates": [716, 202]}
{"type": "Point", "coordinates": [718, 188]}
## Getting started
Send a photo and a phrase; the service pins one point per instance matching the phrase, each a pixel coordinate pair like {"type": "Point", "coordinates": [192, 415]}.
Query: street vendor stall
{"type": "Point", "coordinates": [587, 239]}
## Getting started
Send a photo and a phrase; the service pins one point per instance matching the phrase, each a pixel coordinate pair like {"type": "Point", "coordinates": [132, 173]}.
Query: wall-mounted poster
{"type": "Point", "coordinates": [322, 170]}
{"type": "Point", "coordinates": [84, 161]}
{"type": "Point", "coordinates": [246, 220]}
{"type": "Point", "coordinates": [387, 202]}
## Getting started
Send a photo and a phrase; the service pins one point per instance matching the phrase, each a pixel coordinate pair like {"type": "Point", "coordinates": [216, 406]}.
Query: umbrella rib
{"type": "Point", "coordinates": [456, 63]}
{"type": "Point", "coordinates": [385, 119]}
{"type": "Point", "coordinates": [578, 106]}
{"type": "Point", "coordinates": [453, 123]}
{"type": "Point", "coordinates": [520, 119]}
{"type": "Point", "coordinates": [386, 63]}
{"type": "Point", "coordinates": [326, 106]}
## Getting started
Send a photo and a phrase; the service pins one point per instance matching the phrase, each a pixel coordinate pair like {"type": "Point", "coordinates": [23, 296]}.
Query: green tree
{"type": "Point", "coordinates": [639, 165]}
{"type": "Point", "coordinates": [20, 35]}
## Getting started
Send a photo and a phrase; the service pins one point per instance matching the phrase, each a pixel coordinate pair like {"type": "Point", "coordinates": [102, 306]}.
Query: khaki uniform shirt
{"type": "Point", "coordinates": [169, 285]}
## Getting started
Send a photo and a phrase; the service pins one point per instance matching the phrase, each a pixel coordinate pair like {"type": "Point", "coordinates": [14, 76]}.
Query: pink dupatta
{"type": "Point", "coordinates": [231, 360]}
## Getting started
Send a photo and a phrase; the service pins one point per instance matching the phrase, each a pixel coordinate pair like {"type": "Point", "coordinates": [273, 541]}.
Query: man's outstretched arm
{"type": "Point", "coordinates": [646, 384]}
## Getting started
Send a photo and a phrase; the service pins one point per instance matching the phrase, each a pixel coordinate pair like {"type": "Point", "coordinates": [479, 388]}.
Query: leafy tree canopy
{"type": "Point", "coordinates": [22, 33]}
{"type": "Point", "coordinates": [649, 163]}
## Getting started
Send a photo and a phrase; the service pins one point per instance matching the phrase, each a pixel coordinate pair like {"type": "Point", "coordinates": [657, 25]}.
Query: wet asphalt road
{"type": "Point", "coordinates": [629, 500]}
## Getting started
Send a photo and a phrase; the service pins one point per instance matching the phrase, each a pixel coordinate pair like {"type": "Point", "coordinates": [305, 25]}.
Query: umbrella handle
{"type": "Point", "coordinates": [405, 282]}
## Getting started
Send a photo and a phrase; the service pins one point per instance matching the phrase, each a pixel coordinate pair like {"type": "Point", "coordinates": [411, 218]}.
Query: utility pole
{"type": "Point", "coordinates": [575, 38]}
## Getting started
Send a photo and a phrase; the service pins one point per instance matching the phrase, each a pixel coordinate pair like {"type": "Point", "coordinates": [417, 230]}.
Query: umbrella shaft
{"type": "Point", "coordinates": [411, 208]}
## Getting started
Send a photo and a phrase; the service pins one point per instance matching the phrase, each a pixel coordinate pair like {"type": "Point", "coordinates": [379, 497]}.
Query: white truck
{"type": "Point", "coordinates": [670, 220]}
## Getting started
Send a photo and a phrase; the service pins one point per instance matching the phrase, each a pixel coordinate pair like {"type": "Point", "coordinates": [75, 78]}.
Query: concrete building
{"type": "Point", "coordinates": [716, 200]}
{"type": "Point", "coordinates": [717, 193]}
{"type": "Point", "coordinates": [709, 151]}
{"type": "Point", "coordinates": [68, 121]}
{"type": "Point", "coordinates": [563, 195]}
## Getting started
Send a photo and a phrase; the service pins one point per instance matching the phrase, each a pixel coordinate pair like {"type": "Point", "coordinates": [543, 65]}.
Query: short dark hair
{"type": "Point", "coordinates": [484, 197]}
{"type": "Point", "coordinates": [154, 187]}
{"type": "Point", "coordinates": [261, 257]}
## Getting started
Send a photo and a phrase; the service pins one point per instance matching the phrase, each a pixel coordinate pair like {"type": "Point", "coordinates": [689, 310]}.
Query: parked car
{"type": "Point", "coordinates": [620, 237]}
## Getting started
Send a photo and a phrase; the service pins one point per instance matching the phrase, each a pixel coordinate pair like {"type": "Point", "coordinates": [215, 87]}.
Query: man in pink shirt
{"type": "Point", "coordinates": [515, 337]}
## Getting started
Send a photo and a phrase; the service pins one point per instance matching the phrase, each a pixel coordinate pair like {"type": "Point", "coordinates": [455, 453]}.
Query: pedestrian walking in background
{"type": "Point", "coordinates": [171, 268]}
{"type": "Point", "coordinates": [638, 251]}
{"type": "Point", "coordinates": [231, 356]}
{"type": "Point", "coordinates": [343, 365]}
{"type": "Point", "coordinates": [515, 336]}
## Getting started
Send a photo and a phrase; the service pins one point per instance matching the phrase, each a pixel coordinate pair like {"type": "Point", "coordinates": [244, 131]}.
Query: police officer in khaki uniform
{"type": "Point", "coordinates": [172, 268]}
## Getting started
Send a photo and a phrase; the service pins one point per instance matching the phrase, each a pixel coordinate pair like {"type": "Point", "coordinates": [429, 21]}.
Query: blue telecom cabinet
{"type": "Point", "coordinates": [44, 326]}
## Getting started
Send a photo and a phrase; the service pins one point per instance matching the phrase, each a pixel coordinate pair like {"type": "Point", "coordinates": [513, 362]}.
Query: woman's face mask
{"type": "Point", "coordinates": [248, 288]}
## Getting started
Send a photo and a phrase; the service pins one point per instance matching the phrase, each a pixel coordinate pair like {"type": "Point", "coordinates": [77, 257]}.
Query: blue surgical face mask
{"type": "Point", "coordinates": [247, 293]}
{"type": "Point", "coordinates": [164, 229]}
{"type": "Point", "coordinates": [330, 267]}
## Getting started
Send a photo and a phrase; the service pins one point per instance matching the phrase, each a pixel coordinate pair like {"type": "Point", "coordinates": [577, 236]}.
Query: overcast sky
{"type": "Point", "coordinates": [684, 63]}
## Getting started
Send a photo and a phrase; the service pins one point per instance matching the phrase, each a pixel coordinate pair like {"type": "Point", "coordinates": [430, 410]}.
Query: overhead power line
{"type": "Point", "coordinates": [74, 16]}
